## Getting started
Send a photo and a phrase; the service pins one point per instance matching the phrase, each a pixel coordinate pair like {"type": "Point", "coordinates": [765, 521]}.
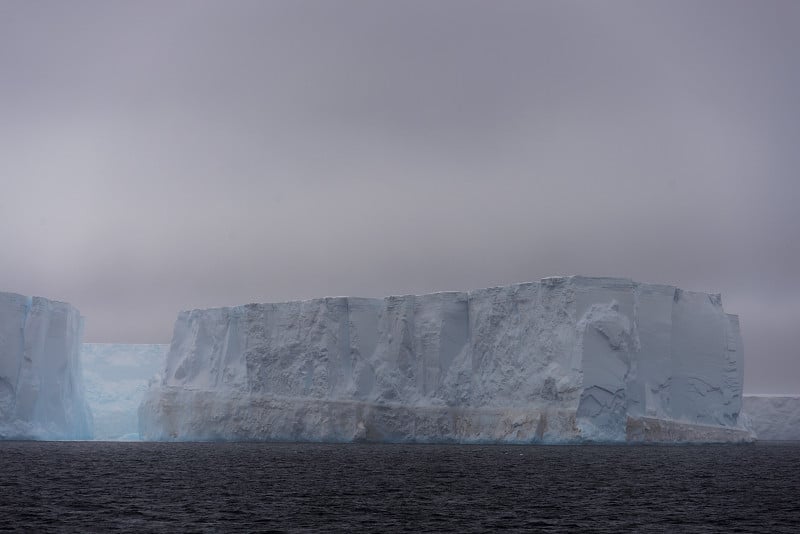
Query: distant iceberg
{"type": "Point", "coordinates": [116, 377]}
{"type": "Point", "coordinates": [773, 417]}
{"type": "Point", "coordinates": [566, 359]}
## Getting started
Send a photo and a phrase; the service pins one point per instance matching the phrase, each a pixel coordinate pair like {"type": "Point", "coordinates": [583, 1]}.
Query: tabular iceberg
{"type": "Point", "coordinates": [41, 384]}
{"type": "Point", "coordinates": [773, 417]}
{"type": "Point", "coordinates": [116, 376]}
{"type": "Point", "coordinates": [565, 359]}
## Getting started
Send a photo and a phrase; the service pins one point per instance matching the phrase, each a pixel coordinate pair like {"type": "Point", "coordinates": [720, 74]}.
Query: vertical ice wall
{"type": "Point", "coordinates": [567, 358]}
{"type": "Point", "coordinates": [41, 382]}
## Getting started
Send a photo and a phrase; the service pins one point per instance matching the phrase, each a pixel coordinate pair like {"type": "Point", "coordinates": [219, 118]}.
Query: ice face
{"type": "Point", "coordinates": [41, 383]}
{"type": "Point", "coordinates": [773, 417]}
{"type": "Point", "coordinates": [116, 377]}
{"type": "Point", "coordinates": [564, 359]}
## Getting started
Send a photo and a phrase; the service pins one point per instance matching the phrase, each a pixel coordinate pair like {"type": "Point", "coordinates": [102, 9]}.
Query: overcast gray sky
{"type": "Point", "coordinates": [166, 155]}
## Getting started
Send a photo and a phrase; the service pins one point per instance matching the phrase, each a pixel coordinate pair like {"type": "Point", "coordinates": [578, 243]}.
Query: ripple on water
{"type": "Point", "coordinates": [242, 487]}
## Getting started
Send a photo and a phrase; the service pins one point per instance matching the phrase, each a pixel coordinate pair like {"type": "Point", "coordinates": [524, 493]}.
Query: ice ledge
{"type": "Point", "coordinates": [183, 415]}
{"type": "Point", "coordinates": [651, 430]}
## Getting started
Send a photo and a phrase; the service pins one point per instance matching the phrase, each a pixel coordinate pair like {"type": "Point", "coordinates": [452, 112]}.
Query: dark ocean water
{"type": "Point", "coordinates": [251, 487]}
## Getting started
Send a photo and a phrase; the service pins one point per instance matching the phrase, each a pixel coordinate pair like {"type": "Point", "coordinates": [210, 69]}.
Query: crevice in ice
{"type": "Point", "coordinates": [634, 333]}
{"type": "Point", "coordinates": [603, 399]}
{"type": "Point", "coordinates": [711, 388]}
{"type": "Point", "coordinates": [25, 313]}
{"type": "Point", "coordinates": [346, 345]}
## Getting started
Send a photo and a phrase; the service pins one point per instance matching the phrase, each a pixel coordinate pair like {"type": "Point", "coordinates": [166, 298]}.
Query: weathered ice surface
{"type": "Point", "coordinates": [564, 359]}
{"type": "Point", "coordinates": [116, 377]}
{"type": "Point", "coordinates": [773, 417]}
{"type": "Point", "coordinates": [41, 383]}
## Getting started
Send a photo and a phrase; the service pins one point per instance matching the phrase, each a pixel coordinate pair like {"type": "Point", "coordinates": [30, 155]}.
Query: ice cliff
{"type": "Point", "coordinates": [773, 417]}
{"type": "Point", "coordinates": [116, 377]}
{"type": "Point", "coordinates": [565, 359]}
{"type": "Point", "coordinates": [41, 383]}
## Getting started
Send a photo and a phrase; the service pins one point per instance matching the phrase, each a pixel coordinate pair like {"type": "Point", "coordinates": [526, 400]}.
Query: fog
{"type": "Point", "coordinates": [160, 156]}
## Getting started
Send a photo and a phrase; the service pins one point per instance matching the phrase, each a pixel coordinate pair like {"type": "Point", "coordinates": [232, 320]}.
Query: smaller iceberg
{"type": "Point", "coordinates": [41, 383]}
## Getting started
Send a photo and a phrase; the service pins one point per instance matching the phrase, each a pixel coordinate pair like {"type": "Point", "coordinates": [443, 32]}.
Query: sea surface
{"type": "Point", "coordinates": [257, 487]}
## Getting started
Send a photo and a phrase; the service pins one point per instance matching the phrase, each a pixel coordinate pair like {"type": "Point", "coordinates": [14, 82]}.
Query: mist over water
{"type": "Point", "coordinates": [244, 487]}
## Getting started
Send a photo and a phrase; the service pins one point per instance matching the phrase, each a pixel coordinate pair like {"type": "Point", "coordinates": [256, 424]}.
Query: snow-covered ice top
{"type": "Point", "coordinates": [116, 377]}
{"type": "Point", "coordinates": [573, 357]}
{"type": "Point", "coordinates": [41, 383]}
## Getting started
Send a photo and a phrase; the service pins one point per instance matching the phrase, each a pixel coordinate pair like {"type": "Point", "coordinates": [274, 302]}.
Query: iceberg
{"type": "Point", "coordinates": [773, 417]}
{"type": "Point", "coordinates": [565, 359]}
{"type": "Point", "coordinates": [41, 382]}
{"type": "Point", "coordinates": [116, 377]}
